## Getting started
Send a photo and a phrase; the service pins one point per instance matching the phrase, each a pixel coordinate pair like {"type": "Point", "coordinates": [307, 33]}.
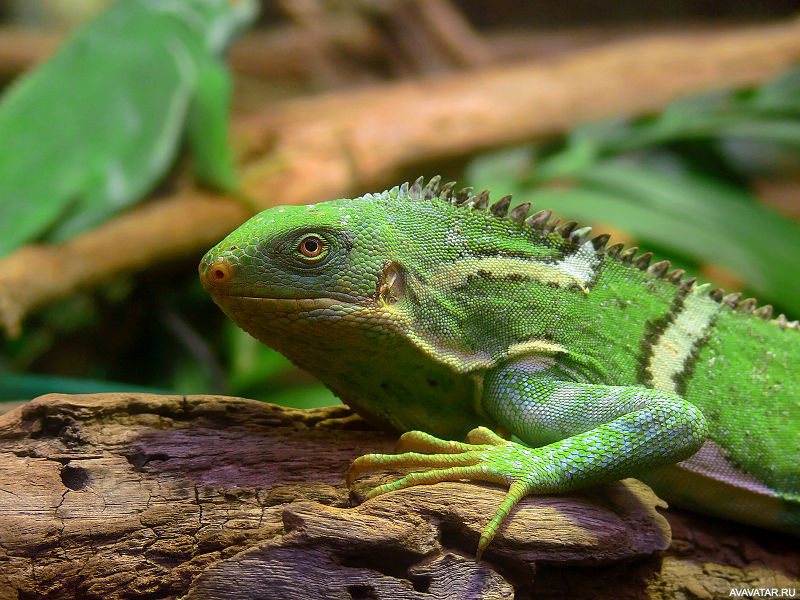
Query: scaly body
{"type": "Point", "coordinates": [423, 310]}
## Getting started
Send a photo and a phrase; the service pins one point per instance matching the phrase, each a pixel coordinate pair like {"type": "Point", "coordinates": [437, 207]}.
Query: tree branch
{"type": "Point", "coordinates": [124, 496]}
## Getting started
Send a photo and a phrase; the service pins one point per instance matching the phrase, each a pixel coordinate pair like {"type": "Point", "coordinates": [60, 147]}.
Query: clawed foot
{"type": "Point", "coordinates": [485, 457]}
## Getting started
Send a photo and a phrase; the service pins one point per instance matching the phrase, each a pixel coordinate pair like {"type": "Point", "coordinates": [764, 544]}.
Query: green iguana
{"type": "Point", "coordinates": [423, 310]}
{"type": "Point", "coordinates": [93, 129]}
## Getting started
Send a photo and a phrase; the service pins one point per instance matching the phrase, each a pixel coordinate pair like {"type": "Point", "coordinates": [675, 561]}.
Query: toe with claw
{"type": "Point", "coordinates": [485, 457]}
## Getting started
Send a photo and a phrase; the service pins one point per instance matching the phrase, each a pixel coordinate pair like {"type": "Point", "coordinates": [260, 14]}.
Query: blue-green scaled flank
{"type": "Point", "coordinates": [440, 315]}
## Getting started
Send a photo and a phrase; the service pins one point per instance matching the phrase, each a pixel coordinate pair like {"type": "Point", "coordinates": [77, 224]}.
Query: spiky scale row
{"type": "Point", "coordinates": [784, 323]}
{"type": "Point", "coordinates": [686, 285]}
{"type": "Point", "coordinates": [463, 195]}
{"type": "Point", "coordinates": [500, 208]}
{"type": "Point", "coordinates": [429, 191]}
{"type": "Point", "coordinates": [627, 256]}
{"type": "Point", "coordinates": [732, 299]}
{"type": "Point", "coordinates": [746, 306]}
{"type": "Point", "coordinates": [660, 268]}
{"type": "Point", "coordinates": [447, 190]}
{"type": "Point", "coordinates": [566, 229]}
{"type": "Point", "coordinates": [581, 236]}
{"type": "Point", "coordinates": [675, 276]}
{"type": "Point", "coordinates": [481, 201]}
{"type": "Point", "coordinates": [539, 220]}
{"type": "Point", "coordinates": [643, 261]}
{"type": "Point", "coordinates": [765, 312]}
{"type": "Point", "coordinates": [599, 242]}
{"type": "Point", "coordinates": [518, 213]}
{"type": "Point", "coordinates": [543, 223]}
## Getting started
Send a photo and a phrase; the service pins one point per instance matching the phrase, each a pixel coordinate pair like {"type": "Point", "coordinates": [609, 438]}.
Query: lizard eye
{"type": "Point", "coordinates": [311, 246]}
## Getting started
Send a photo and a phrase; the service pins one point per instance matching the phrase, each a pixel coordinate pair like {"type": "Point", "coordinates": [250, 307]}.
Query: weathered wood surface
{"type": "Point", "coordinates": [141, 496]}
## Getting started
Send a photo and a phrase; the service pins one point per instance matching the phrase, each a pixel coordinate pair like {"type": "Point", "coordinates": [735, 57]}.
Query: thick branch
{"type": "Point", "coordinates": [123, 496]}
{"type": "Point", "coordinates": [321, 148]}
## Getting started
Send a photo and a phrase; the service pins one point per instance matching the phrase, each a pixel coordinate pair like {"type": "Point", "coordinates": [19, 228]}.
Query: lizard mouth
{"type": "Point", "coordinates": [219, 279]}
{"type": "Point", "coordinates": [283, 304]}
{"type": "Point", "coordinates": [310, 310]}
{"type": "Point", "coordinates": [257, 315]}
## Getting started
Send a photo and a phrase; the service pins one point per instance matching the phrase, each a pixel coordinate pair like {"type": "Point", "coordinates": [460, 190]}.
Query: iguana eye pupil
{"type": "Point", "coordinates": [311, 246]}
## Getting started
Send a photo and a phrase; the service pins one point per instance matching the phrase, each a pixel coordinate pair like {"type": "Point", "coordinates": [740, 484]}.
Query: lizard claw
{"type": "Point", "coordinates": [488, 460]}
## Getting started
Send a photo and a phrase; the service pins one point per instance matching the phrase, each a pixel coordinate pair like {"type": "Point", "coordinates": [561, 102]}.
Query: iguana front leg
{"type": "Point", "coordinates": [584, 434]}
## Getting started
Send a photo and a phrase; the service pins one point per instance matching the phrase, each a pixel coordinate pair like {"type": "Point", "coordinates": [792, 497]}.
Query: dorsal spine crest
{"type": "Point", "coordinates": [543, 224]}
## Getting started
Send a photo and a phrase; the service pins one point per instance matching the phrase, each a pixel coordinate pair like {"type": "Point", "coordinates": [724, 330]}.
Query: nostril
{"type": "Point", "coordinates": [218, 272]}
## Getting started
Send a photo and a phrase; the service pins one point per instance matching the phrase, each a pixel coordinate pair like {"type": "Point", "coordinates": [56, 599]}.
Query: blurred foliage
{"type": "Point", "coordinates": [677, 182]}
{"type": "Point", "coordinates": [83, 139]}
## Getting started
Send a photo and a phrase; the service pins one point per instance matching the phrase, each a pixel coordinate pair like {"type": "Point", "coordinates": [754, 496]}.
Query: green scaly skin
{"type": "Point", "coordinates": [95, 127]}
{"type": "Point", "coordinates": [425, 311]}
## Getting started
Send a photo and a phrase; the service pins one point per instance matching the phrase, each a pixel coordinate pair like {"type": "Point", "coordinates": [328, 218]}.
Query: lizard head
{"type": "Point", "coordinates": [349, 290]}
{"type": "Point", "coordinates": [410, 267]}
{"type": "Point", "coordinates": [330, 250]}
{"type": "Point", "coordinates": [298, 277]}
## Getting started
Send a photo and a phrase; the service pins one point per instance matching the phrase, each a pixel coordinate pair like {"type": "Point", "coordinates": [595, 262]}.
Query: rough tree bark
{"type": "Point", "coordinates": [142, 496]}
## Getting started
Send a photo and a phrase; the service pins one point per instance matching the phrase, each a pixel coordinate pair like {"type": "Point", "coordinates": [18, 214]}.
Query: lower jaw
{"type": "Point", "coordinates": [313, 333]}
{"type": "Point", "coordinates": [265, 318]}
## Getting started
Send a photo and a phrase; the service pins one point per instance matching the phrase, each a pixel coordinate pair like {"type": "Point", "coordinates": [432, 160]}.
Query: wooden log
{"type": "Point", "coordinates": [202, 497]}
